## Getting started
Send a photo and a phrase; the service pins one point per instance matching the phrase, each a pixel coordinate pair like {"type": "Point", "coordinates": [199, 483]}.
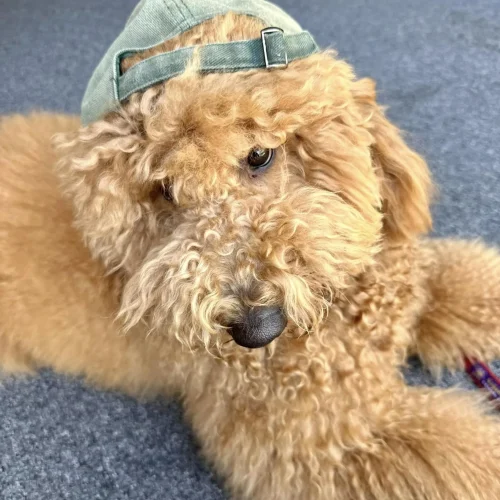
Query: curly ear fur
{"type": "Point", "coordinates": [354, 151]}
{"type": "Point", "coordinates": [406, 186]}
{"type": "Point", "coordinates": [102, 169]}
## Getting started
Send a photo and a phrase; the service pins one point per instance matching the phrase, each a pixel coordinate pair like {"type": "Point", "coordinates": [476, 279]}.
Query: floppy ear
{"type": "Point", "coordinates": [99, 167]}
{"type": "Point", "coordinates": [405, 181]}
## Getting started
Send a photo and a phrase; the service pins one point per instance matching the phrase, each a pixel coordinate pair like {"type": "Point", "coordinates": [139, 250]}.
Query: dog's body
{"type": "Point", "coordinates": [100, 277]}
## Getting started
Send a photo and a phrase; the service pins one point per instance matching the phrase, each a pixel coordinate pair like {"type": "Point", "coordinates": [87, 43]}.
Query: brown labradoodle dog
{"type": "Point", "coordinates": [215, 211]}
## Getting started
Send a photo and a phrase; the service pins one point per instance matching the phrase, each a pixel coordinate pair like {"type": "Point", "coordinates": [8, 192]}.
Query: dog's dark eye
{"type": "Point", "coordinates": [259, 159]}
{"type": "Point", "coordinates": [166, 192]}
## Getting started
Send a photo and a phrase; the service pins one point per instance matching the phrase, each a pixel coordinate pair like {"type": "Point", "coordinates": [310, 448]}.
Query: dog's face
{"type": "Point", "coordinates": [233, 205]}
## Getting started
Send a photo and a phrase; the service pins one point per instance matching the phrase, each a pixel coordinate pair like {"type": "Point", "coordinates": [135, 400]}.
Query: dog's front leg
{"type": "Point", "coordinates": [432, 445]}
{"type": "Point", "coordinates": [268, 435]}
{"type": "Point", "coordinates": [463, 313]}
{"type": "Point", "coordinates": [402, 444]}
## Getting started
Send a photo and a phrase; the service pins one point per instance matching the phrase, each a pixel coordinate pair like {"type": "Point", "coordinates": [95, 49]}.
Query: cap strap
{"type": "Point", "coordinates": [273, 49]}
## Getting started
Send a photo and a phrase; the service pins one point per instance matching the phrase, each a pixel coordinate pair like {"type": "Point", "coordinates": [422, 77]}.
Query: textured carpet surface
{"type": "Point", "coordinates": [438, 68]}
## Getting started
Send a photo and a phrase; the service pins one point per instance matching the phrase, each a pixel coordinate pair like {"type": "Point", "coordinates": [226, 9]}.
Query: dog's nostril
{"type": "Point", "coordinates": [259, 327]}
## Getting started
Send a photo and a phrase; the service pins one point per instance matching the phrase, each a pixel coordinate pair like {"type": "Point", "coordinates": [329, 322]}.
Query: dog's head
{"type": "Point", "coordinates": [232, 205]}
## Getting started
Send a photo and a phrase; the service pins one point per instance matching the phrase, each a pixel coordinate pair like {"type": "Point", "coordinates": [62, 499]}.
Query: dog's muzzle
{"type": "Point", "coordinates": [259, 327]}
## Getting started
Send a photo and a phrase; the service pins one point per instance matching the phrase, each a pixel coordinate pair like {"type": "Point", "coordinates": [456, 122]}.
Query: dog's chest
{"type": "Point", "coordinates": [341, 372]}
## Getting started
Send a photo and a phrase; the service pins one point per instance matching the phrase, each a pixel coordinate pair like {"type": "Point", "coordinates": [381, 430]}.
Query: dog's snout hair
{"type": "Point", "coordinates": [206, 273]}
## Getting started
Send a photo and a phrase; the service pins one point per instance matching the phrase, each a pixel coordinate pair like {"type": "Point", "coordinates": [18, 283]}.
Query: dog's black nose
{"type": "Point", "coordinates": [259, 327]}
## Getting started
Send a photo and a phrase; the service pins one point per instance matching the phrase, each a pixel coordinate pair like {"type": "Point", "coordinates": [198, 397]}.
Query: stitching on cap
{"type": "Point", "coordinates": [188, 9]}
{"type": "Point", "coordinates": [184, 22]}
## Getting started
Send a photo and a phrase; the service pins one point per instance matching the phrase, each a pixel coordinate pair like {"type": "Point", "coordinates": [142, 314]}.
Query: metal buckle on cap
{"type": "Point", "coordinates": [263, 33]}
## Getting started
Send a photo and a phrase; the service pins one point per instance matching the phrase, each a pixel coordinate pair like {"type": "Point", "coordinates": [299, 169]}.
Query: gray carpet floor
{"type": "Point", "coordinates": [437, 64]}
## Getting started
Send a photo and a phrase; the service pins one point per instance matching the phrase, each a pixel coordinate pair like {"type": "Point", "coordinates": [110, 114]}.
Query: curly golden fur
{"type": "Point", "coordinates": [101, 276]}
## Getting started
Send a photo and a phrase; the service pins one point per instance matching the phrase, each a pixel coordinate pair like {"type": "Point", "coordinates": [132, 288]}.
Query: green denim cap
{"type": "Point", "coordinates": [155, 21]}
